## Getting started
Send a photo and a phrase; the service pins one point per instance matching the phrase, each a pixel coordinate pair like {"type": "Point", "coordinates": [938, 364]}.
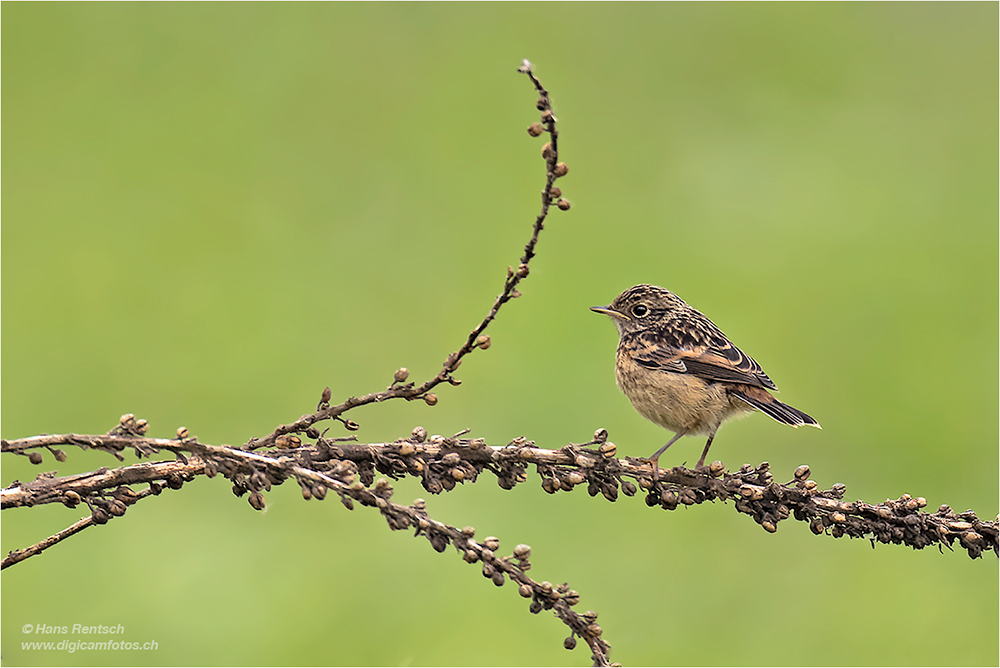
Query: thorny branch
{"type": "Point", "coordinates": [348, 469]}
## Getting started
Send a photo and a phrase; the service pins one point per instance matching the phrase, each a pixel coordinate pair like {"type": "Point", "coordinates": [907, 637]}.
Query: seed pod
{"type": "Point", "coordinates": [483, 341]}
{"type": "Point", "coordinates": [608, 449]}
{"type": "Point", "coordinates": [570, 642]}
{"type": "Point", "coordinates": [498, 578]}
{"type": "Point", "coordinates": [802, 473]}
{"type": "Point", "coordinates": [319, 491]}
{"type": "Point", "coordinates": [492, 542]}
{"type": "Point", "coordinates": [554, 194]}
{"type": "Point", "coordinates": [535, 607]}
{"type": "Point", "coordinates": [564, 204]}
{"type": "Point", "coordinates": [127, 420]}
{"type": "Point", "coordinates": [522, 551]}
{"type": "Point", "coordinates": [35, 457]}
{"type": "Point", "coordinates": [402, 373]}
{"type": "Point", "coordinates": [561, 169]}
{"type": "Point", "coordinates": [419, 434]}
{"type": "Point", "coordinates": [430, 399]}
{"type": "Point", "coordinates": [547, 150]}
{"type": "Point", "coordinates": [525, 590]}
{"type": "Point", "coordinates": [535, 129]}
{"type": "Point", "coordinates": [325, 397]}
{"type": "Point", "coordinates": [256, 500]}
{"type": "Point", "coordinates": [182, 433]}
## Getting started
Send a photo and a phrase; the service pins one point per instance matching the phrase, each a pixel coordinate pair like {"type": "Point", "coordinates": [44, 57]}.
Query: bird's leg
{"type": "Point", "coordinates": [701, 462]}
{"type": "Point", "coordinates": [655, 459]}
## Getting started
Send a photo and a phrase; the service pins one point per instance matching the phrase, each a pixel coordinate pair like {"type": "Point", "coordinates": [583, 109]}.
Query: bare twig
{"type": "Point", "coordinates": [400, 389]}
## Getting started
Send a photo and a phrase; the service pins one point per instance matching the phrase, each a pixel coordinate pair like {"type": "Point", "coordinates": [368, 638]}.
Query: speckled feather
{"type": "Point", "coordinates": [681, 372]}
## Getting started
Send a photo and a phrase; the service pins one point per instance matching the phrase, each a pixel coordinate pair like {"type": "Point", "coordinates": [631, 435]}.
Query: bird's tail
{"type": "Point", "coordinates": [763, 401]}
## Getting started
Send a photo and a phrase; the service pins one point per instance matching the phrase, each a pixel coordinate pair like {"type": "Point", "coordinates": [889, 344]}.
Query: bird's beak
{"type": "Point", "coordinates": [607, 310]}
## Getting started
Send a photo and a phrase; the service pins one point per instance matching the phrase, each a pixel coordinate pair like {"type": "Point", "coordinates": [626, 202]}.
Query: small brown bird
{"type": "Point", "coordinates": [681, 372]}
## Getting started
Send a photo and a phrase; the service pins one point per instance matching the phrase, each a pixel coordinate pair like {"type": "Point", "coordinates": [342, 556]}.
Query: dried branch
{"type": "Point", "coordinates": [441, 463]}
{"type": "Point", "coordinates": [400, 389]}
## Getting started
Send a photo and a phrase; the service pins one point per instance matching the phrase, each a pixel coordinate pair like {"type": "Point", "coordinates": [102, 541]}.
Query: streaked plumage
{"type": "Point", "coordinates": [681, 372]}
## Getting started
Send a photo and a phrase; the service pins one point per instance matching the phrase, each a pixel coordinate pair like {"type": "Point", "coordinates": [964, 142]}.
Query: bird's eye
{"type": "Point", "coordinates": [639, 310]}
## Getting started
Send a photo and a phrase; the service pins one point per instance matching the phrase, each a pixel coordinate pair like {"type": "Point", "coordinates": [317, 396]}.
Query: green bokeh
{"type": "Point", "coordinates": [212, 211]}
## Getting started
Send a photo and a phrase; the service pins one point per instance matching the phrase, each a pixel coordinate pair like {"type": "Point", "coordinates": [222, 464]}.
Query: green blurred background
{"type": "Point", "coordinates": [212, 211]}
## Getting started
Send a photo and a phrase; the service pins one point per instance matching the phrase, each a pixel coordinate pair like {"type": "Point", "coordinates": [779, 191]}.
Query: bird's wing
{"type": "Point", "coordinates": [698, 347]}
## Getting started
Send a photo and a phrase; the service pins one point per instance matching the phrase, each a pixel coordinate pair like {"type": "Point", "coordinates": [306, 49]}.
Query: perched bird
{"type": "Point", "coordinates": [681, 372]}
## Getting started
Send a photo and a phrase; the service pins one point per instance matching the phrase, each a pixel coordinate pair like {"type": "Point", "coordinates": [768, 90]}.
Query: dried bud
{"type": "Point", "coordinates": [430, 399]}
{"type": "Point", "coordinates": [525, 590]}
{"type": "Point", "coordinates": [572, 597]}
{"type": "Point", "coordinates": [608, 449]}
{"type": "Point", "coordinates": [542, 104]}
{"type": "Point", "coordinates": [256, 500]}
{"type": "Point", "coordinates": [283, 441]}
{"type": "Point", "coordinates": [522, 270]}
{"type": "Point", "coordinates": [802, 473]}
{"type": "Point", "coordinates": [570, 642]}
{"type": "Point", "coordinates": [142, 426]}
{"type": "Point", "coordinates": [498, 578]}
{"type": "Point", "coordinates": [419, 434]}
{"type": "Point", "coordinates": [182, 433]}
{"type": "Point", "coordinates": [402, 373]}
{"type": "Point", "coordinates": [716, 468]}
{"type": "Point", "coordinates": [769, 526]}
{"type": "Point", "coordinates": [492, 542]}
{"type": "Point", "coordinates": [555, 193]}
{"type": "Point", "coordinates": [547, 116]}
{"type": "Point", "coordinates": [535, 129]}
{"type": "Point", "coordinates": [629, 488]}
{"type": "Point", "coordinates": [117, 508]}
{"type": "Point", "coordinates": [563, 204]}
{"type": "Point", "coordinates": [59, 455]}
{"type": "Point", "coordinates": [451, 458]}
{"type": "Point", "coordinates": [319, 491]}
{"type": "Point", "coordinates": [127, 420]}
{"type": "Point", "coordinates": [522, 551]}
{"type": "Point", "coordinates": [35, 457]}
{"type": "Point", "coordinates": [458, 474]}
{"type": "Point", "coordinates": [351, 425]}
{"type": "Point", "coordinates": [547, 150]}
{"type": "Point", "coordinates": [483, 341]}
{"type": "Point", "coordinates": [561, 169]}
{"type": "Point", "coordinates": [838, 517]}
{"type": "Point", "coordinates": [535, 607]}
{"type": "Point", "coordinates": [307, 492]}
{"type": "Point", "coordinates": [470, 556]}
{"type": "Point", "coordinates": [71, 499]}
{"type": "Point", "coordinates": [99, 515]}
{"type": "Point", "coordinates": [406, 448]}
{"type": "Point", "coordinates": [601, 435]}
{"type": "Point", "coordinates": [325, 397]}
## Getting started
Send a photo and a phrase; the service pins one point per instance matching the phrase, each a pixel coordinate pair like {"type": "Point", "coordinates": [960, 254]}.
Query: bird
{"type": "Point", "coordinates": [682, 373]}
